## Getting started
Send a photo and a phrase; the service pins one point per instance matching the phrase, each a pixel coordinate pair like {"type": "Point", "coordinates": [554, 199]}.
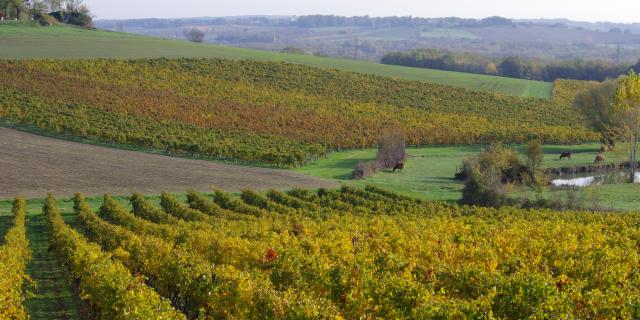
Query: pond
{"type": "Point", "coordinates": [590, 179]}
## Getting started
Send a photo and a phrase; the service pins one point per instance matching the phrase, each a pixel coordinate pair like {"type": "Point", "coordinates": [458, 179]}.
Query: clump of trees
{"type": "Point", "coordinates": [194, 34]}
{"type": "Point", "coordinates": [627, 109]}
{"type": "Point", "coordinates": [493, 172]}
{"type": "Point", "coordinates": [391, 154]}
{"type": "Point", "coordinates": [513, 67]}
{"type": "Point", "coordinates": [489, 174]}
{"type": "Point", "coordinates": [73, 12]}
{"type": "Point", "coordinates": [612, 108]}
{"type": "Point", "coordinates": [322, 21]}
{"type": "Point", "coordinates": [596, 104]}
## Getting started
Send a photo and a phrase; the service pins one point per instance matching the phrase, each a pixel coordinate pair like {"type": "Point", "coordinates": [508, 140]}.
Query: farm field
{"type": "Point", "coordinates": [429, 172]}
{"type": "Point", "coordinates": [275, 113]}
{"type": "Point", "coordinates": [333, 253]}
{"type": "Point", "coordinates": [30, 41]}
{"type": "Point", "coordinates": [33, 165]}
{"type": "Point", "coordinates": [448, 33]}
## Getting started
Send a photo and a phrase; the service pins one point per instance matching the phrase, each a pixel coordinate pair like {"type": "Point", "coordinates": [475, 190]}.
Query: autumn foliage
{"type": "Point", "coordinates": [363, 253]}
{"type": "Point", "coordinates": [276, 113]}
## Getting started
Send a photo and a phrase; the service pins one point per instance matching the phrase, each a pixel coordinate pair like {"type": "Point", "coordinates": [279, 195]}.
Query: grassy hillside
{"type": "Point", "coordinates": [277, 113]}
{"type": "Point", "coordinates": [30, 41]}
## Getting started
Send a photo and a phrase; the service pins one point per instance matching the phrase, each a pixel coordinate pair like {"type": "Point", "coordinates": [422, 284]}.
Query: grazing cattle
{"type": "Point", "coordinates": [599, 158]}
{"type": "Point", "coordinates": [398, 166]}
{"type": "Point", "coordinates": [565, 155]}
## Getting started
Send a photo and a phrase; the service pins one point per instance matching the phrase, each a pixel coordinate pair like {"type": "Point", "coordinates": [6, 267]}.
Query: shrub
{"type": "Point", "coordinates": [46, 20]}
{"type": "Point", "coordinates": [364, 169]}
{"type": "Point", "coordinates": [488, 176]}
{"type": "Point", "coordinates": [194, 34]}
{"type": "Point", "coordinates": [292, 50]}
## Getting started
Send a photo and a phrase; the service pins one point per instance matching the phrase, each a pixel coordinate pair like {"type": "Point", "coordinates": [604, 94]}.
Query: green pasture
{"type": "Point", "coordinates": [429, 171]}
{"type": "Point", "coordinates": [448, 33]}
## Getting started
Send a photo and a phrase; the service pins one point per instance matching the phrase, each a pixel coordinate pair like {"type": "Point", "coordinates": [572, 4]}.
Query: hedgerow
{"type": "Point", "coordinates": [275, 113]}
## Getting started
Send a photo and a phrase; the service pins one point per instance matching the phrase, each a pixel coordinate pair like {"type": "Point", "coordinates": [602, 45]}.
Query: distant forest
{"type": "Point", "coordinates": [586, 50]}
{"type": "Point", "coordinates": [329, 21]}
{"type": "Point", "coordinates": [513, 67]}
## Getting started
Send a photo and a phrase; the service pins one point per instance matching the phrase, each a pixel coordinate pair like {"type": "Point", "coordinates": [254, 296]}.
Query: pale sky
{"type": "Point", "coordinates": [583, 10]}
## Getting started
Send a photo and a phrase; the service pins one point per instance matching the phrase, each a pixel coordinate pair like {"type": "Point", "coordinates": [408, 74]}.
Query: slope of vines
{"type": "Point", "coordinates": [276, 113]}
{"type": "Point", "coordinates": [14, 256]}
{"type": "Point", "coordinates": [110, 290]}
{"type": "Point", "coordinates": [369, 253]}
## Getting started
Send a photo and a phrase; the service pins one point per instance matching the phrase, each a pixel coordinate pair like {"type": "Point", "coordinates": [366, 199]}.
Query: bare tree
{"type": "Point", "coordinates": [194, 34]}
{"type": "Point", "coordinates": [391, 150]}
{"type": "Point", "coordinates": [391, 155]}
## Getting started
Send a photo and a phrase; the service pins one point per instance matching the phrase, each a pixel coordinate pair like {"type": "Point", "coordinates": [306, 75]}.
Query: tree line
{"type": "Point", "coordinates": [512, 67]}
{"type": "Point", "coordinates": [324, 21]}
{"type": "Point", "coordinates": [47, 11]}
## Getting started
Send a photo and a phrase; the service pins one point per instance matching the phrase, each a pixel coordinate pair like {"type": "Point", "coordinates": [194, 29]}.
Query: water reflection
{"type": "Point", "coordinates": [584, 180]}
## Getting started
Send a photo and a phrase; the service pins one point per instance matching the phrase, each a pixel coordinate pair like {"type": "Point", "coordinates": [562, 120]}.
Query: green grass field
{"type": "Point", "coordinates": [429, 172]}
{"type": "Point", "coordinates": [448, 33]}
{"type": "Point", "coordinates": [30, 41]}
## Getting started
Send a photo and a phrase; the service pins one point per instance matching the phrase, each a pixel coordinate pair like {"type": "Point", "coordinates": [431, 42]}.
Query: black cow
{"type": "Point", "coordinates": [565, 155]}
{"type": "Point", "coordinates": [398, 166]}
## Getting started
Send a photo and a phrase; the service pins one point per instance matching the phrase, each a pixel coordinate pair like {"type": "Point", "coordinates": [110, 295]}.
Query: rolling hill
{"type": "Point", "coordinates": [268, 112]}
{"type": "Point", "coordinates": [30, 41]}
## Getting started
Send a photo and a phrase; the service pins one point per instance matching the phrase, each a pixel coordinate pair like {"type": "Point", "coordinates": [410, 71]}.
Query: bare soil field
{"type": "Point", "coordinates": [33, 165]}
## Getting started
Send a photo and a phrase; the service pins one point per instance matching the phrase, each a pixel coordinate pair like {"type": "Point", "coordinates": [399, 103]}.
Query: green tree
{"type": "Point", "coordinates": [491, 69]}
{"type": "Point", "coordinates": [627, 107]}
{"type": "Point", "coordinates": [596, 104]}
{"type": "Point", "coordinates": [636, 67]}
{"type": "Point", "coordinates": [512, 67]}
{"type": "Point", "coordinates": [38, 7]}
{"type": "Point", "coordinates": [17, 7]}
{"type": "Point", "coordinates": [54, 5]}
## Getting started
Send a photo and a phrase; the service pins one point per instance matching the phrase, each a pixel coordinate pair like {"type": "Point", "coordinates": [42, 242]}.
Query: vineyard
{"type": "Point", "coordinates": [28, 40]}
{"type": "Point", "coordinates": [274, 113]}
{"type": "Point", "coordinates": [338, 254]}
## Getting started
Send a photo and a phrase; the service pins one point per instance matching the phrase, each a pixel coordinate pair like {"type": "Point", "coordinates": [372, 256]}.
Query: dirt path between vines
{"type": "Point", "coordinates": [33, 165]}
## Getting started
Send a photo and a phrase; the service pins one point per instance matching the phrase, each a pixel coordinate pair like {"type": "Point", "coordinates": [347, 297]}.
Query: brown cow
{"type": "Point", "coordinates": [604, 148]}
{"type": "Point", "coordinates": [599, 158]}
{"type": "Point", "coordinates": [398, 166]}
